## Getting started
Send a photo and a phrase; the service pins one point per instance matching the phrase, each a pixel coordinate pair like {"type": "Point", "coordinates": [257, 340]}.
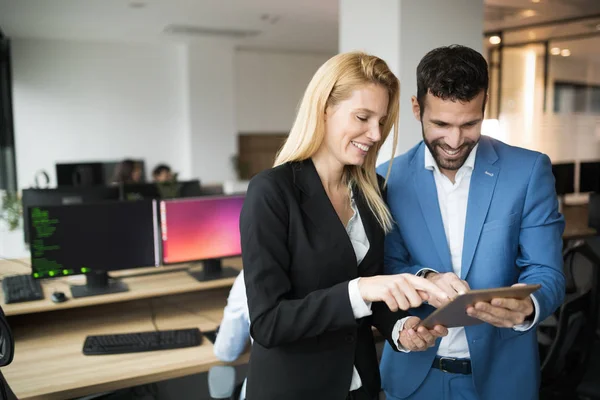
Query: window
{"type": "Point", "coordinates": [576, 98]}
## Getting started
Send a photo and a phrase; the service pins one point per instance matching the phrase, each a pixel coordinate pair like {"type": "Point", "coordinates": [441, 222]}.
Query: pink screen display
{"type": "Point", "coordinates": [200, 228]}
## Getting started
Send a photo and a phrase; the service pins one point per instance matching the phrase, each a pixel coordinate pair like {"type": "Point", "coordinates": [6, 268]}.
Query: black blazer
{"type": "Point", "coordinates": [298, 261]}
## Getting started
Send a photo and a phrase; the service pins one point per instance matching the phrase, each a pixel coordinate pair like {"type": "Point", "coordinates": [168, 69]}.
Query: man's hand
{"type": "Point", "coordinates": [503, 313]}
{"type": "Point", "coordinates": [421, 338]}
{"type": "Point", "coordinates": [450, 283]}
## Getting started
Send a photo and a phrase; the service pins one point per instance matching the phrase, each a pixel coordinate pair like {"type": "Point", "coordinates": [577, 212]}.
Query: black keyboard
{"type": "Point", "coordinates": [141, 341]}
{"type": "Point", "coordinates": [20, 288]}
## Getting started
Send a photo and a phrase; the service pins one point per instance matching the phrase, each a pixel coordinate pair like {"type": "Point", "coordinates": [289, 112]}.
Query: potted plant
{"type": "Point", "coordinates": [11, 210]}
{"type": "Point", "coordinates": [241, 168]}
{"type": "Point", "coordinates": [11, 234]}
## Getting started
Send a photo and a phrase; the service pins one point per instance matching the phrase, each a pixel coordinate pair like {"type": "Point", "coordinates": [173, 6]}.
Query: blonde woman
{"type": "Point", "coordinates": [312, 231]}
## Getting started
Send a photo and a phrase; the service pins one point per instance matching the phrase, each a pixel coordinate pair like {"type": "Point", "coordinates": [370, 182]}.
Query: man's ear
{"type": "Point", "coordinates": [416, 108]}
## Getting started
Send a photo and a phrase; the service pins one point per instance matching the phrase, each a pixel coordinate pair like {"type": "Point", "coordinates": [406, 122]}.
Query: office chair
{"type": "Point", "coordinates": [7, 351]}
{"type": "Point", "coordinates": [589, 388]}
{"type": "Point", "coordinates": [566, 356]}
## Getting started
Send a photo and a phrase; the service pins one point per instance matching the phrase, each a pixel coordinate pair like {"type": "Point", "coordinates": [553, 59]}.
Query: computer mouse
{"type": "Point", "coordinates": [58, 297]}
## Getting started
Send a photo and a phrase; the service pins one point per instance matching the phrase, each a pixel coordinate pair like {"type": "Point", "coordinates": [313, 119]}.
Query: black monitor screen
{"type": "Point", "coordinates": [64, 196]}
{"type": "Point", "coordinates": [589, 177]}
{"type": "Point", "coordinates": [564, 175]}
{"type": "Point", "coordinates": [79, 239]}
{"type": "Point", "coordinates": [80, 174]}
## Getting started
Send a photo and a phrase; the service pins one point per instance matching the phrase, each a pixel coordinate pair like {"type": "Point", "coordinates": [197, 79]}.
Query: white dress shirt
{"type": "Point", "coordinates": [453, 199]}
{"type": "Point", "coordinates": [234, 331]}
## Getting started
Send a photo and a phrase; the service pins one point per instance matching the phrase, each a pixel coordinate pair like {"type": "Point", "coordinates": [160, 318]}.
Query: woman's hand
{"type": "Point", "coordinates": [401, 291]}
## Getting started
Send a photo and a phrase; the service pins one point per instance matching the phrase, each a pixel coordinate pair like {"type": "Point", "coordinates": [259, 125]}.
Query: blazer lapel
{"type": "Point", "coordinates": [481, 189]}
{"type": "Point", "coordinates": [318, 208]}
{"type": "Point", "coordinates": [425, 189]}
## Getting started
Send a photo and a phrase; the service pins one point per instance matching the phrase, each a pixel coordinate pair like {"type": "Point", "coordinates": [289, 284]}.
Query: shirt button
{"type": "Point", "coordinates": [349, 338]}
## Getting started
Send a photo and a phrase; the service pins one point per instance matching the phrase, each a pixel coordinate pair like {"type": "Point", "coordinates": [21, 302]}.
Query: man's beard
{"type": "Point", "coordinates": [443, 160]}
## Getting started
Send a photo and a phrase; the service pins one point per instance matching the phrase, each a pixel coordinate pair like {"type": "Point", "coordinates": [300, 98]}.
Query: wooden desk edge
{"type": "Point", "coordinates": [135, 381]}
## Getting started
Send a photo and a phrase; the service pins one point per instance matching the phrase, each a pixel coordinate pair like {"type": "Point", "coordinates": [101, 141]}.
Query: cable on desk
{"type": "Point", "coordinates": [153, 315]}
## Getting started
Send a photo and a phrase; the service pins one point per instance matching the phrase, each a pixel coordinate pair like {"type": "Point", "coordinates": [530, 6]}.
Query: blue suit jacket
{"type": "Point", "coordinates": [512, 234]}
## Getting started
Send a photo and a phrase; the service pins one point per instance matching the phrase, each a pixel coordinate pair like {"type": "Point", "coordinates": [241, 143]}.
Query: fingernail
{"type": "Point", "coordinates": [411, 332]}
{"type": "Point", "coordinates": [496, 302]}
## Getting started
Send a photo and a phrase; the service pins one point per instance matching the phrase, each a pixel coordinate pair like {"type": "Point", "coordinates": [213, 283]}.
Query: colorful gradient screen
{"type": "Point", "coordinates": [201, 228]}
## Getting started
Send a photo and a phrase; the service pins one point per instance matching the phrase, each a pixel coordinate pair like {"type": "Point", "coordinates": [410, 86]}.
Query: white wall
{"type": "Point", "coordinates": [96, 101]}
{"type": "Point", "coordinates": [382, 38]}
{"type": "Point", "coordinates": [269, 87]}
{"type": "Point", "coordinates": [212, 110]}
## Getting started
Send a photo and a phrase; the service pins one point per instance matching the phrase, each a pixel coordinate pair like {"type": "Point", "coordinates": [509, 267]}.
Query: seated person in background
{"type": "Point", "coordinates": [162, 173]}
{"type": "Point", "coordinates": [128, 171]}
{"type": "Point", "coordinates": [234, 331]}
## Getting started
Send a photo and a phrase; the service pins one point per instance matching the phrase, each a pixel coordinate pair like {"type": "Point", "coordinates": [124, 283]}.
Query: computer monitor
{"type": "Point", "coordinates": [202, 229]}
{"type": "Point", "coordinates": [589, 177]}
{"type": "Point", "coordinates": [564, 176]}
{"type": "Point", "coordinates": [64, 196]}
{"type": "Point", "coordinates": [158, 190]}
{"type": "Point", "coordinates": [80, 174]}
{"type": "Point", "coordinates": [93, 239]}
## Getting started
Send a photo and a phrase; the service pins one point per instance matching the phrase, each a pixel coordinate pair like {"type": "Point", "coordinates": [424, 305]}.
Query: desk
{"type": "Point", "coordinates": [49, 363]}
{"type": "Point", "coordinates": [576, 223]}
{"type": "Point", "coordinates": [143, 283]}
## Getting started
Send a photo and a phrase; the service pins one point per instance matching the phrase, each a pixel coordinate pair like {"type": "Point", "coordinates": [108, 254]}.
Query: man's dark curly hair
{"type": "Point", "coordinates": [456, 73]}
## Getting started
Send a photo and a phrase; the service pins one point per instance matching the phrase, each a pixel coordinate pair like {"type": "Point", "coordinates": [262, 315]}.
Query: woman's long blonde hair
{"type": "Point", "coordinates": [334, 82]}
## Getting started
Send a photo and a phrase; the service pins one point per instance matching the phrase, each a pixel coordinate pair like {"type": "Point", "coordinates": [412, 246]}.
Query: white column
{"type": "Point", "coordinates": [211, 106]}
{"type": "Point", "coordinates": [402, 32]}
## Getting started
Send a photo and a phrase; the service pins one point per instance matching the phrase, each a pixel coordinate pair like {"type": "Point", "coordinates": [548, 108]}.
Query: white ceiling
{"type": "Point", "coordinates": [310, 25]}
{"type": "Point", "coordinates": [580, 49]}
{"type": "Point", "coordinates": [501, 14]}
{"type": "Point", "coordinates": [300, 25]}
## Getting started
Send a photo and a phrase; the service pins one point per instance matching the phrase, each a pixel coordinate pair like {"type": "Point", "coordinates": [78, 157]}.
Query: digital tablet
{"type": "Point", "coordinates": [454, 314]}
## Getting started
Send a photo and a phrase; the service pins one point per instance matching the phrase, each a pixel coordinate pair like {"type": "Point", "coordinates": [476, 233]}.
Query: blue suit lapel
{"type": "Point", "coordinates": [424, 185]}
{"type": "Point", "coordinates": [483, 182]}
